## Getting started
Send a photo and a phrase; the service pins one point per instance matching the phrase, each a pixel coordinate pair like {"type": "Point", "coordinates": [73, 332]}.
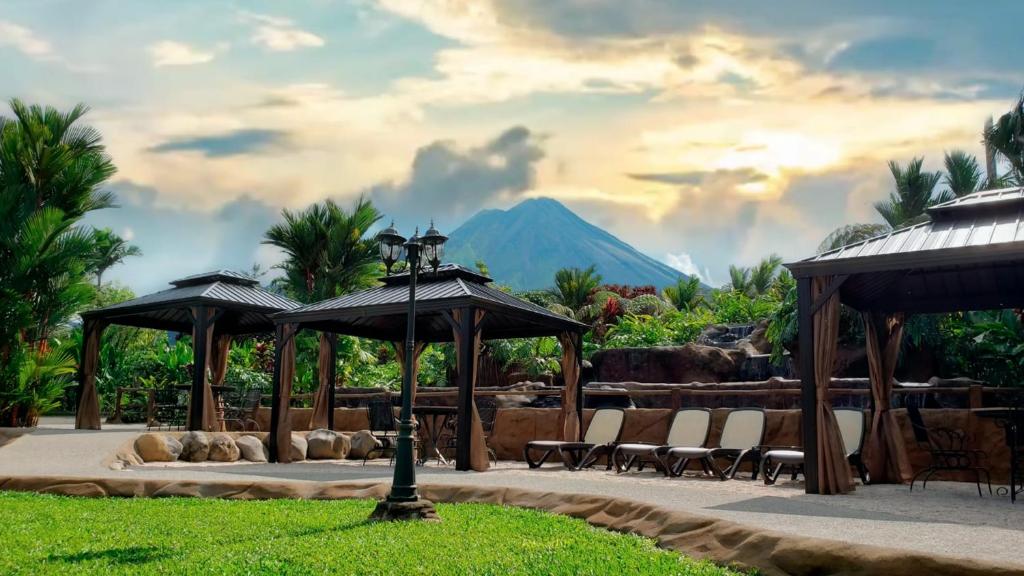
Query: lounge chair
{"type": "Point", "coordinates": [851, 429]}
{"type": "Point", "coordinates": [690, 427]}
{"type": "Point", "coordinates": [742, 437]}
{"type": "Point", "coordinates": [602, 434]}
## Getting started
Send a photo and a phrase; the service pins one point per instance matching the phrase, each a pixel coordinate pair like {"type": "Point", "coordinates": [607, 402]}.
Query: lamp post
{"type": "Point", "coordinates": [403, 502]}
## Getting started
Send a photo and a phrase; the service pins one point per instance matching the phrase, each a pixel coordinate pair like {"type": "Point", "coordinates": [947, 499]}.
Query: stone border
{"type": "Point", "coordinates": [722, 541]}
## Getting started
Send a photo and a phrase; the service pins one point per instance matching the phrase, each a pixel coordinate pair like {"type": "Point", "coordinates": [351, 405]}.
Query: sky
{"type": "Point", "coordinates": [703, 133]}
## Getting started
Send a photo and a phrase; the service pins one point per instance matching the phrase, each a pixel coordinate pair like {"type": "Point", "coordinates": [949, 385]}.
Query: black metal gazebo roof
{"type": "Point", "coordinates": [246, 307]}
{"type": "Point", "coordinates": [969, 255]}
{"type": "Point", "coordinates": [380, 312]}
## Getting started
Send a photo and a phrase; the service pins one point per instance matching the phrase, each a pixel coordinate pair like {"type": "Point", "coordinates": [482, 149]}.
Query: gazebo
{"type": "Point", "coordinates": [214, 307]}
{"type": "Point", "coordinates": [968, 255]}
{"type": "Point", "coordinates": [454, 304]}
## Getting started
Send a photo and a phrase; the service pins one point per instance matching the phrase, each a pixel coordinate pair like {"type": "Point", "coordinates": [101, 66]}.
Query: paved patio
{"type": "Point", "coordinates": [948, 519]}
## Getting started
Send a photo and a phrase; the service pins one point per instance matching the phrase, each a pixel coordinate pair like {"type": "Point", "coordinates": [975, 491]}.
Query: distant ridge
{"type": "Point", "coordinates": [525, 245]}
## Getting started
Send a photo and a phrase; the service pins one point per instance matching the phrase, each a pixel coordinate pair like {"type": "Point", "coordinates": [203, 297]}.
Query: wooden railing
{"type": "Point", "coordinates": [975, 394]}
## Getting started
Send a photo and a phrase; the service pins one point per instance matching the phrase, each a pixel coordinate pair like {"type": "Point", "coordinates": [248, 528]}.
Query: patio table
{"type": "Point", "coordinates": [434, 420]}
{"type": "Point", "coordinates": [1012, 421]}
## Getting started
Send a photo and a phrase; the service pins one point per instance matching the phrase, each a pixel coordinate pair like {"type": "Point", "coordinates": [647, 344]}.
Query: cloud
{"type": "Point", "coordinates": [171, 53]}
{"type": "Point", "coordinates": [684, 263]}
{"type": "Point", "coordinates": [280, 34]}
{"type": "Point", "coordinates": [901, 53]}
{"type": "Point", "coordinates": [25, 41]}
{"type": "Point", "coordinates": [245, 141]}
{"type": "Point", "coordinates": [177, 240]}
{"type": "Point", "coordinates": [448, 183]}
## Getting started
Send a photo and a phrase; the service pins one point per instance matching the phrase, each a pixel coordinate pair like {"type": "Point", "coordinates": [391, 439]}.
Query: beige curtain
{"type": "Point", "coordinates": [287, 374]}
{"type": "Point", "coordinates": [219, 360]}
{"type": "Point", "coordinates": [571, 375]}
{"type": "Point", "coordinates": [400, 354]}
{"type": "Point", "coordinates": [209, 408]}
{"type": "Point", "coordinates": [885, 452]}
{"type": "Point", "coordinates": [833, 469]}
{"type": "Point", "coordinates": [322, 399]}
{"type": "Point", "coordinates": [478, 460]}
{"type": "Point", "coordinates": [87, 416]}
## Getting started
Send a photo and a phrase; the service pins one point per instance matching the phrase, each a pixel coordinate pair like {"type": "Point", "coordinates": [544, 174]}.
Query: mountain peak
{"type": "Point", "coordinates": [525, 245]}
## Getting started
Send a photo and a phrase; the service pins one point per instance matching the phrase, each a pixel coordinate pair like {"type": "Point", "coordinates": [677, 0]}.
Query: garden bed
{"type": "Point", "coordinates": [57, 534]}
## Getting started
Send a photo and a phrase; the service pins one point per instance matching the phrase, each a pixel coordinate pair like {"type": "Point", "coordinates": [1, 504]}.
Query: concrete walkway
{"type": "Point", "coordinates": [948, 518]}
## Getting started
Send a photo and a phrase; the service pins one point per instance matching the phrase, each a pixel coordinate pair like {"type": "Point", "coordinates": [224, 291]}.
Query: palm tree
{"type": "Point", "coordinates": [851, 234]}
{"type": "Point", "coordinates": [739, 279]}
{"type": "Point", "coordinates": [109, 250]}
{"type": "Point", "coordinates": [572, 289]}
{"type": "Point", "coordinates": [327, 250]}
{"type": "Point", "coordinates": [762, 275]}
{"type": "Point", "coordinates": [963, 174]}
{"type": "Point", "coordinates": [914, 194]}
{"type": "Point", "coordinates": [1006, 136]}
{"type": "Point", "coordinates": [51, 172]}
{"type": "Point", "coordinates": [686, 295]}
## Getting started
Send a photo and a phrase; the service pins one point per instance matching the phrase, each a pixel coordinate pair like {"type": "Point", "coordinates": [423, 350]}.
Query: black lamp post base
{"type": "Point", "coordinates": [420, 509]}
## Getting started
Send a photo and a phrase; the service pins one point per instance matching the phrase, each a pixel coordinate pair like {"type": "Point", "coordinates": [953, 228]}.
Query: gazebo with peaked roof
{"type": "Point", "coordinates": [968, 255]}
{"type": "Point", "coordinates": [214, 307]}
{"type": "Point", "coordinates": [454, 304]}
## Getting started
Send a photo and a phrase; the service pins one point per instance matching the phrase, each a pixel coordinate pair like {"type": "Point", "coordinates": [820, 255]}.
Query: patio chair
{"type": "Point", "coordinates": [948, 450]}
{"type": "Point", "coordinates": [851, 429]}
{"type": "Point", "coordinates": [241, 410]}
{"type": "Point", "coordinates": [383, 426]}
{"type": "Point", "coordinates": [170, 409]}
{"type": "Point", "coordinates": [742, 437]}
{"type": "Point", "coordinates": [487, 409]}
{"type": "Point", "coordinates": [602, 435]}
{"type": "Point", "coordinates": [689, 427]}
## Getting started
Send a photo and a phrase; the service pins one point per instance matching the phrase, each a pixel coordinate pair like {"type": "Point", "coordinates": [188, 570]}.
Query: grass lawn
{"type": "Point", "coordinates": [43, 534]}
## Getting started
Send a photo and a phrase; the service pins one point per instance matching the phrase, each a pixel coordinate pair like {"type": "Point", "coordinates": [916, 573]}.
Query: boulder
{"type": "Point", "coordinates": [223, 449]}
{"type": "Point", "coordinates": [327, 445]}
{"type": "Point", "coordinates": [195, 446]}
{"type": "Point", "coordinates": [156, 447]}
{"type": "Point", "coordinates": [363, 443]}
{"type": "Point", "coordinates": [518, 401]}
{"type": "Point", "coordinates": [298, 448]}
{"type": "Point", "coordinates": [252, 449]}
{"type": "Point", "coordinates": [689, 363]}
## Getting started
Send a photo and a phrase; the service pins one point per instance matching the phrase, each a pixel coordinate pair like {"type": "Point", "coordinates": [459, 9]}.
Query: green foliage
{"type": "Point", "coordinates": [686, 294]}
{"type": "Point", "coordinates": [51, 171]}
{"type": "Point", "coordinates": [851, 234]}
{"type": "Point", "coordinates": [914, 193]}
{"type": "Point", "coordinates": [109, 249]}
{"type": "Point", "coordinates": [573, 286]}
{"type": "Point", "coordinates": [44, 535]}
{"type": "Point", "coordinates": [1006, 136]}
{"type": "Point", "coordinates": [988, 346]}
{"type": "Point", "coordinates": [673, 328]}
{"type": "Point", "coordinates": [963, 174]}
{"type": "Point", "coordinates": [533, 356]}
{"type": "Point", "coordinates": [327, 250]}
{"type": "Point", "coordinates": [737, 308]}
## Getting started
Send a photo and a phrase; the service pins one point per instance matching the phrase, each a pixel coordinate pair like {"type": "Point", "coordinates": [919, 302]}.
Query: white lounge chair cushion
{"type": "Point", "coordinates": [785, 456]}
{"type": "Point", "coordinates": [545, 443]}
{"type": "Point", "coordinates": [637, 447]}
{"type": "Point", "coordinates": [743, 429]}
{"type": "Point", "coordinates": [689, 428]}
{"type": "Point", "coordinates": [604, 426]}
{"type": "Point", "coordinates": [689, 452]}
{"type": "Point", "coordinates": [851, 428]}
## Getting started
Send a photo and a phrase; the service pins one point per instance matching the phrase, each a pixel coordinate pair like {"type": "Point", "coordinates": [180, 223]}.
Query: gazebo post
{"type": "Point", "coordinates": [464, 420]}
{"type": "Point", "coordinates": [808, 390]}
{"type": "Point", "coordinates": [200, 323]}
{"type": "Point", "coordinates": [87, 415]}
{"type": "Point", "coordinates": [579, 382]}
{"type": "Point", "coordinates": [332, 376]}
